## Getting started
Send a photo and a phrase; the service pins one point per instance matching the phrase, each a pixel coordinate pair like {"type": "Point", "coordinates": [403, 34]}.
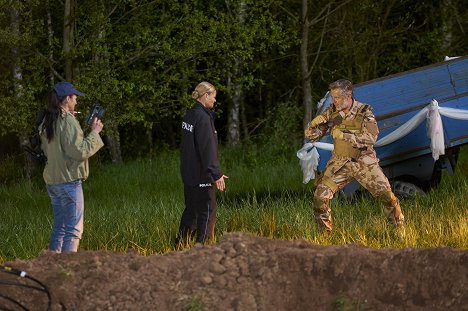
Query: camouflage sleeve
{"type": "Point", "coordinates": [368, 136]}
{"type": "Point", "coordinates": [314, 133]}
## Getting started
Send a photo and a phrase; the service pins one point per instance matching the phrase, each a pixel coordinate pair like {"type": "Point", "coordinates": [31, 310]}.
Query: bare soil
{"type": "Point", "coordinates": [244, 272]}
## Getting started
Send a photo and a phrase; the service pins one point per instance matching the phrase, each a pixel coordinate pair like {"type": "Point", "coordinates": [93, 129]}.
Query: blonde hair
{"type": "Point", "coordinates": [203, 88]}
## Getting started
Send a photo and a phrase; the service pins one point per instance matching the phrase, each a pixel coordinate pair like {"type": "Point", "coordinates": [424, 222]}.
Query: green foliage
{"type": "Point", "coordinates": [138, 206]}
{"type": "Point", "coordinates": [21, 74]}
{"type": "Point", "coordinates": [370, 39]}
{"type": "Point", "coordinates": [10, 170]}
{"type": "Point", "coordinates": [283, 129]}
{"type": "Point", "coordinates": [141, 59]}
{"type": "Point", "coordinates": [342, 303]}
{"type": "Point", "coordinates": [195, 305]}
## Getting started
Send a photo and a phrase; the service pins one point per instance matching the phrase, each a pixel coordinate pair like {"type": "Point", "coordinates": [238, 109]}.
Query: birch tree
{"type": "Point", "coordinates": [68, 28]}
{"type": "Point", "coordinates": [235, 83]}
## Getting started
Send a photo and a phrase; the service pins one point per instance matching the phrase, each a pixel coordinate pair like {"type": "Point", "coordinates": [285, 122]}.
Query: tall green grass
{"type": "Point", "coordinates": [138, 206]}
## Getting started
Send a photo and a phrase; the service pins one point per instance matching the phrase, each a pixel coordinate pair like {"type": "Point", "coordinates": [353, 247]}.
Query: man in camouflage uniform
{"type": "Point", "coordinates": [354, 131]}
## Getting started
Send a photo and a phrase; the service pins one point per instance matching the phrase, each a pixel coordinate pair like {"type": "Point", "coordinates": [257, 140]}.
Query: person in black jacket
{"type": "Point", "coordinates": [200, 168]}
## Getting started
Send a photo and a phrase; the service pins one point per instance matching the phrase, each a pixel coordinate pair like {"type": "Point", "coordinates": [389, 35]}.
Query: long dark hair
{"type": "Point", "coordinates": [52, 113]}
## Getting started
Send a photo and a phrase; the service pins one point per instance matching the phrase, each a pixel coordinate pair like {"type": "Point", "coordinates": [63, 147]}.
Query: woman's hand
{"type": "Point", "coordinates": [220, 183]}
{"type": "Point", "coordinates": [97, 125]}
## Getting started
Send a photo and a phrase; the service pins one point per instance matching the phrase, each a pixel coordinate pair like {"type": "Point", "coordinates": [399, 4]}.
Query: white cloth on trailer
{"type": "Point", "coordinates": [309, 157]}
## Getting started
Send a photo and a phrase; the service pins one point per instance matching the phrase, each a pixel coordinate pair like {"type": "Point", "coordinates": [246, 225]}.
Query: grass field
{"type": "Point", "coordinates": [138, 206]}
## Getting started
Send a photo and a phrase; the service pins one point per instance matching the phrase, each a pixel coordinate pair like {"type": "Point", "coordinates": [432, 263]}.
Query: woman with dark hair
{"type": "Point", "coordinates": [67, 151]}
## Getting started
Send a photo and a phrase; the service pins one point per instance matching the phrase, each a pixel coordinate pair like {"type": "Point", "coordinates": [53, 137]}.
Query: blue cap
{"type": "Point", "coordinates": [66, 89]}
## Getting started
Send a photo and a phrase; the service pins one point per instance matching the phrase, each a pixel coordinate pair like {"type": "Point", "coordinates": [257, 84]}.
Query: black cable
{"type": "Point", "coordinates": [22, 285]}
{"type": "Point", "coordinates": [14, 302]}
{"type": "Point", "coordinates": [23, 274]}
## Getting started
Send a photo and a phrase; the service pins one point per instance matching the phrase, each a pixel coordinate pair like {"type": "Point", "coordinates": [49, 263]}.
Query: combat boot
{"type": "Point", "coordinates": [324, 222]}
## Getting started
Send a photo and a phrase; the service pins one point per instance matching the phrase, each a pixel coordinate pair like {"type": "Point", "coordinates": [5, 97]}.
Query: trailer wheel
{"type": "Point", "coordinates": [406, 189]}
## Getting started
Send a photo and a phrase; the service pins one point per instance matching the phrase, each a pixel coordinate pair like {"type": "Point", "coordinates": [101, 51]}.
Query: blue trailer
{"type": "Point", "coordinates": [408, 162]}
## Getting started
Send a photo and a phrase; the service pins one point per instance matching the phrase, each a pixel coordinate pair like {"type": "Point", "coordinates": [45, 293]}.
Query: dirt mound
{"type": "Point", "coordinates": [243, 272]}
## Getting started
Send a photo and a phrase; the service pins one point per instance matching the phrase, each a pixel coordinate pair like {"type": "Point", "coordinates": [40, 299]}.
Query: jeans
{"type": "Point", "coordinates": [68, 207]}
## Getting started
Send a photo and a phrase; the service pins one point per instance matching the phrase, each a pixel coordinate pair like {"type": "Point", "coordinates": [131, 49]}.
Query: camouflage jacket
{"type": "Point", "coordinates": [363, 137]}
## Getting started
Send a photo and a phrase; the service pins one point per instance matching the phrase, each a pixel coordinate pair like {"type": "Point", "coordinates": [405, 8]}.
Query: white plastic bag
{"type": "Point", "coordinates": [308, 158]}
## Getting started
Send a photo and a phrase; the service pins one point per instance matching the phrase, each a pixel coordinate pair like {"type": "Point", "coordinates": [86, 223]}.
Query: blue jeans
{"type": "Point", "coordinates": [68, 207]}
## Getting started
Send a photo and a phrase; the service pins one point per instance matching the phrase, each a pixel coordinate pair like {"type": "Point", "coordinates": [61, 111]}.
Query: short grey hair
{"type": "Point", "coordinates": [344, 85]}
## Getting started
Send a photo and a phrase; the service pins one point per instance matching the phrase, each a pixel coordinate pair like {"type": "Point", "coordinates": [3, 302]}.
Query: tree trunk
{"type": "Point", "coordinates": [68, 22]}
{"type": "Point", "coordinates": [244, 121]}
{"type": "Point", "coordinates": [234, 115]}
{"type": "Point", "coordinates": [112, 139]}
{"type": "Point", "coordinates": [50, 38]}
{"type": "Point", "coordinates": [305, 76]}
{"type": "Point", "coordinates": [237, 98]}
{"type": "Point", "coordinates": [447, 26]}
{"type": "Point", "coordinates": [112, 130]}
{"type": "Point", "coordinates": [149, 138]}
{"type": "Point", "coordinates": [17, 71]}
{"type": "Point", "coordinates": [18, 88]}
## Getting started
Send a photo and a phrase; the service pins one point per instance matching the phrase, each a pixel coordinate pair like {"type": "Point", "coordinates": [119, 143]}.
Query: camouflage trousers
{"type": "Point", "coordinates": [370, 176]}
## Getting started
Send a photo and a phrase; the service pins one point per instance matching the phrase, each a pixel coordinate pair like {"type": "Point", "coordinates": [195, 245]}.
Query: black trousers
{"type": "Point", "coordinates": [199, 215]}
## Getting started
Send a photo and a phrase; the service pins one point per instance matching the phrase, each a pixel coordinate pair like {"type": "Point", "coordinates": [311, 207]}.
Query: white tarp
{"type": "Point", "coordinates": [309, 157]}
